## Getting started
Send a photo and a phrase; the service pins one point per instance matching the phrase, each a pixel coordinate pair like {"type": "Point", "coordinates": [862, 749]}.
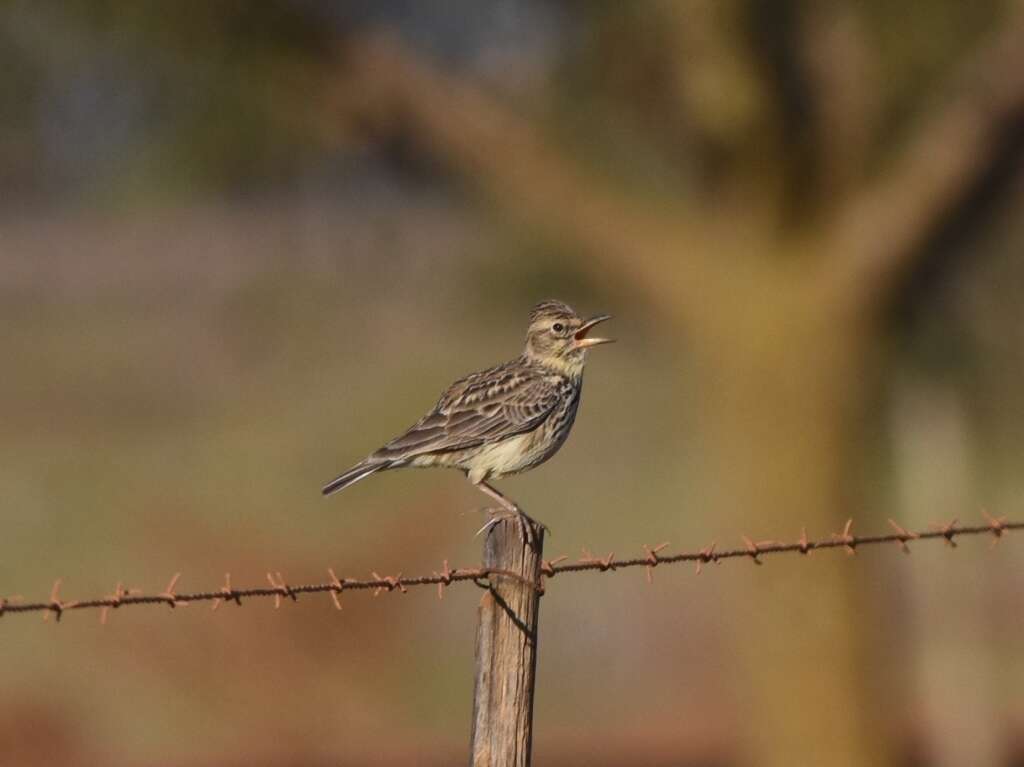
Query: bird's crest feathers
{"type": "Point", "coordinates": [552, 309]}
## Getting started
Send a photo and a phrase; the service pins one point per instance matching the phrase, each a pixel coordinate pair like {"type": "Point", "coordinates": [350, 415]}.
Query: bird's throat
{"type": "Point", "coordinates": [570, 366]}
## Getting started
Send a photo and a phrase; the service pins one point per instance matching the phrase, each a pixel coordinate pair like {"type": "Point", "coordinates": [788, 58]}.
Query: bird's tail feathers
{"type": "Point", "coordinates": [359, 471]}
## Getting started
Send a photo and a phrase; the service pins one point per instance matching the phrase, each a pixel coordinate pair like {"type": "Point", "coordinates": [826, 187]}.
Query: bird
{"type": "Point", "coordinates": [503, 420]}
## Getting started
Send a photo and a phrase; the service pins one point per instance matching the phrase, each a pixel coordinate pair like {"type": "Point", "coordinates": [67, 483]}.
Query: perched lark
{"type": "Point", "coordinates": [500, 421]}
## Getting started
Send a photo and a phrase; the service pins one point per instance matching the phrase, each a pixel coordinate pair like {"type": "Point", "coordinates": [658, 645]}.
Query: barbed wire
{"type": "Point", "coordinates": [653, 557]}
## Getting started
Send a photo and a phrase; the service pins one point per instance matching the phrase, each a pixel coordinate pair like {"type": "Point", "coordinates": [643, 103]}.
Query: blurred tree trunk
{"type": "Point", "coordinates": [782, 324]}
{"type": "Point", "coordinates": [776, 399]}
{"type": "Point", "coordinates": [956, 670]}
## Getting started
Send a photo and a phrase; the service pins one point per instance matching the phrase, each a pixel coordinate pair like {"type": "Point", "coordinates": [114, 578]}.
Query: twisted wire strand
{"type": "Point", "coordinates": [480, 576]}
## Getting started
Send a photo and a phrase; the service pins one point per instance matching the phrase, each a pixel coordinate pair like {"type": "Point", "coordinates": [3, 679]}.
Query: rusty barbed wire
{"type": "Point", "coordinates": [653, 557]}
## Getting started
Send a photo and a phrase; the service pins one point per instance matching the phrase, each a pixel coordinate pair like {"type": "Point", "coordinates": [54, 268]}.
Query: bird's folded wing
{"type": "Point", "coordinates": [482, 408]}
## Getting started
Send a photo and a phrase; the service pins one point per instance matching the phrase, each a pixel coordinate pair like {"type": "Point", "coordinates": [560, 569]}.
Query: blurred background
{"type": "Point", "coordinates": [241, 244]}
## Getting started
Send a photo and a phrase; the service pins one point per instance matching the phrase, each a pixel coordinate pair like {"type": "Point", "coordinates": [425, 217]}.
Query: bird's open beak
{"type": "Point", "coordinates": [581, 338]}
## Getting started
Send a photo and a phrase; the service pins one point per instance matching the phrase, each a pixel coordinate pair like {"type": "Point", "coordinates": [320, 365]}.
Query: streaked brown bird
{"type": "Point", "coordinates": [503, 420]}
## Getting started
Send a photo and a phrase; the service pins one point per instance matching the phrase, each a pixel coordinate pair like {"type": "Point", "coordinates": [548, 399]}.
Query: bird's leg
{"type": "Point", "coordinates": [511, 511]}
{"type": "Point", "coordinates": [497, 495]}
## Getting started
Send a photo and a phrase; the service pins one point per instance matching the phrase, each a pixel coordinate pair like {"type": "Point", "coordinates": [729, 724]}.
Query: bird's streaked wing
{"type": "Point", "coordinates": [487, 406]}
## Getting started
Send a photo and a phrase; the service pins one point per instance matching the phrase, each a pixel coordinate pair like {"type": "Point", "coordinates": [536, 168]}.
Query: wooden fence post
{"type": "Point", "coordinates": [506, 649]}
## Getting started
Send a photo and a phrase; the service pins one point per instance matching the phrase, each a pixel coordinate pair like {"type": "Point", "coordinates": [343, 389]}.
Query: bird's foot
{"type": "Point", "coordinates": [527, 525]}
{"type": "Point", "coordinates": [496, 515]}
{"type": "Point", "coordinates": [533, 522]}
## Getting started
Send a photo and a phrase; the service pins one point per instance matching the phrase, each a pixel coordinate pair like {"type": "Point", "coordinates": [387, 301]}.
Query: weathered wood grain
{"type": "Point", "coordinates": [506, 649]}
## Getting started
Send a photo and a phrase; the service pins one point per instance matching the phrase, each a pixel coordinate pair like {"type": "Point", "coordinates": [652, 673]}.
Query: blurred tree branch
{"type": "Point", "coordinates": [844, 94]}
{"type": "Point", "coordinates": [877, 239]}
{"type": "Point", "coordinates": [388, 88]}
{"type": "Point", "coordinates": [870, 244]}
{"type": "Point", "coordinates": [714, 80]}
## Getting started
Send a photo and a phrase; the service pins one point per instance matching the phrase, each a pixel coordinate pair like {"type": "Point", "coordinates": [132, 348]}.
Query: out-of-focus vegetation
{"type": "Point", "coordinates": [242, 244]}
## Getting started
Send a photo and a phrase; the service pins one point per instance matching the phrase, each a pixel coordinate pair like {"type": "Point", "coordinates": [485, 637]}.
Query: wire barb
{"type": "Point", "coordinates": [846, 538]}
{"type": "Point", "coordinates": [445, 579]}
{"type": "Point", "coordinates": [947, 531]}
{"type": "Point", "coordinates": [998, 525]}
{"type": "Point", "coordinates": [115, 600]}
{"type": "Point", "coordinates": [705, 555]}
{"type": "Point", "coordinates": [228, 594]}
{"type": "Point", "coordinates": [388, 583]}
{"type": "Point", "coordinates": [547, 566]}
{"type": "Point", "coordinates": [607, 563]}
{"type": "Point", "coordinates": [55, 606]}
{"type": "Point", "coordinates": [902, 536]}
{"type": "Point", "coordinates": [283, 590]}
{"type": "Point", "coordinates": [168, 594]}
{"type": "Point", "coordinates": [652, 558]}
{"type": "Point", "coordinates": [805, 545]}
{"type": "Point", "coordinates": [752, 549]}
{"type": "Point", "coordinates": [337, 586]}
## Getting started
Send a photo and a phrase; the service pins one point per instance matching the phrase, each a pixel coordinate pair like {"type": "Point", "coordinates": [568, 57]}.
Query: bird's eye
{"type": "Point", "coordinates": [558, 327]}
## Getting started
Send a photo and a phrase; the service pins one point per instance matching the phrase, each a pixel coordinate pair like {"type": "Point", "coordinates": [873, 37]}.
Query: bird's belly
{"type": "Point", "coordinates": [514, 455]}
{"type": "Point", "coordinates": [505, 457]}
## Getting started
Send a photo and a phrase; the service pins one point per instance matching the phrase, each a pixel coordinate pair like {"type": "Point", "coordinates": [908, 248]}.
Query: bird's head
{"type": "Point", "coordinates": [558, 338]}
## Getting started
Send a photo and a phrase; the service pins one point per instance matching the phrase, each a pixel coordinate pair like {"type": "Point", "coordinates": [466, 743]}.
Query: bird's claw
{"type": "Point", "coordinates": [526, 523]}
